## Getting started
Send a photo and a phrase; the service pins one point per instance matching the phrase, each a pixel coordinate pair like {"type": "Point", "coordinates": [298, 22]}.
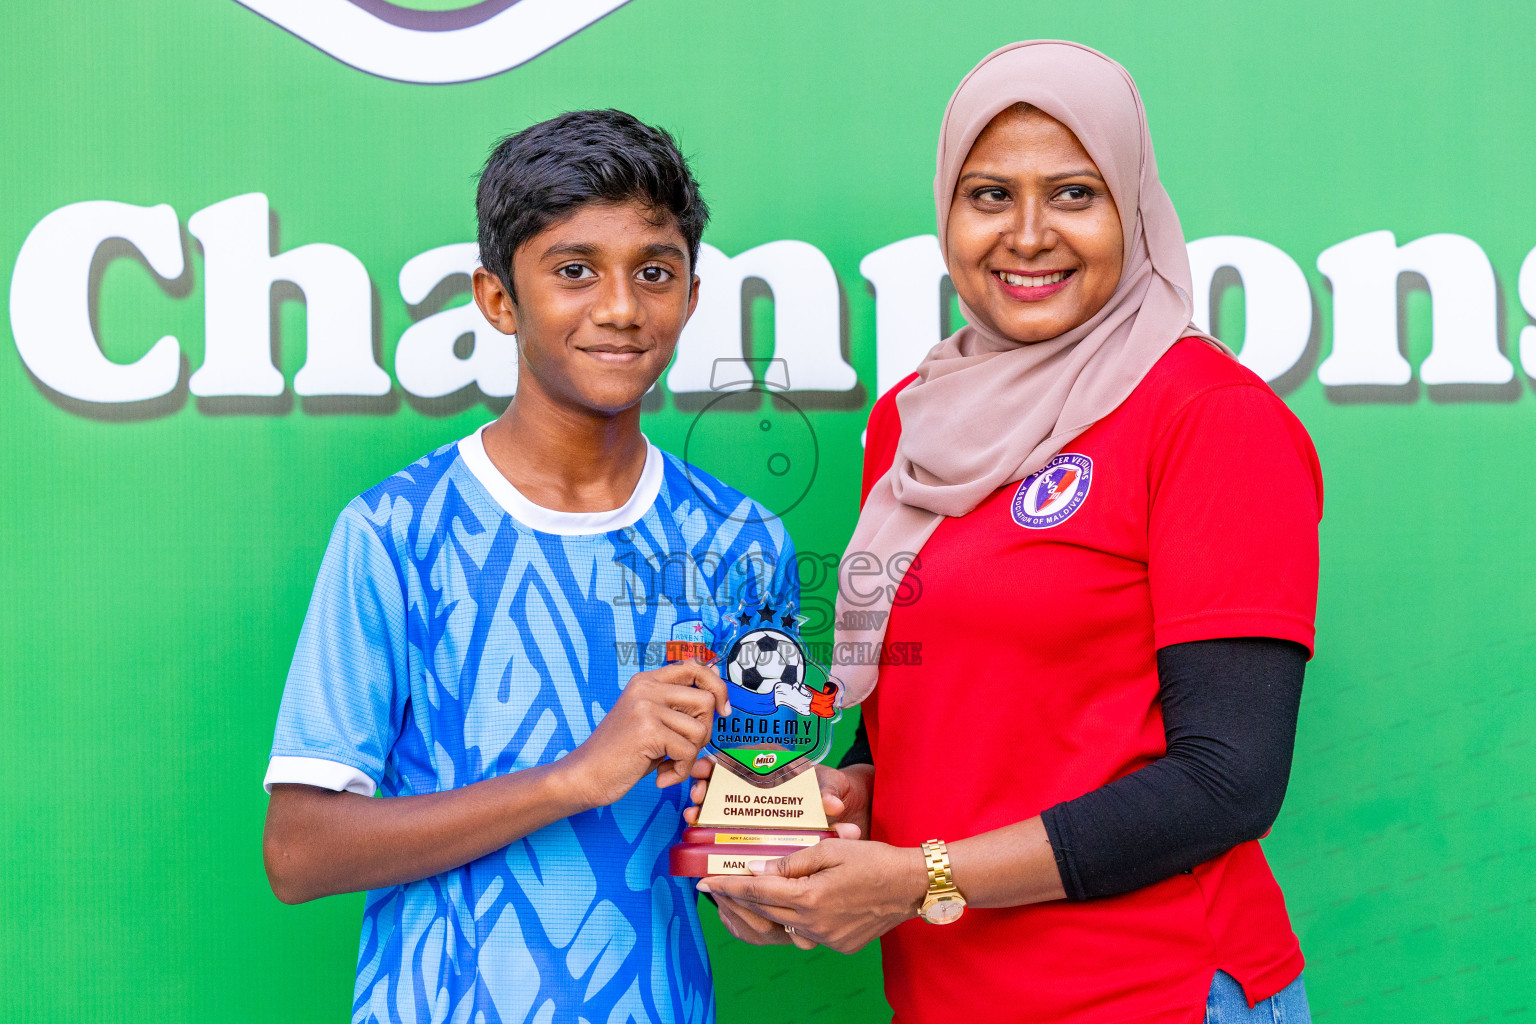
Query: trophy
{"type": "Point", "coordinates": [763, 800]}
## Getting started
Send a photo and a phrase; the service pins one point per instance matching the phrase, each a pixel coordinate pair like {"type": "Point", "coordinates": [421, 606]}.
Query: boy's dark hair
{"type": "Point", "coordinates": [542, 173]}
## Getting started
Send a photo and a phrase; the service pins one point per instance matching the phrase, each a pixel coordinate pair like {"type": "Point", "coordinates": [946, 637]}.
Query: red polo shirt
{"type": "Point", "coordinates": [1188, 513]}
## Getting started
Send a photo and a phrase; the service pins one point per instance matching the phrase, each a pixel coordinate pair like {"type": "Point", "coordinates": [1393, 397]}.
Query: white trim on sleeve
{"type": "Point", "coordinates": [549, 520]}
{"type": "Point", "coordinates": [317, 771]}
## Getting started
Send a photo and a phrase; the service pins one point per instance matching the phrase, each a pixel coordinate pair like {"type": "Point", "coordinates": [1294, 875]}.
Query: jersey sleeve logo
{"type": "Point", "coordinates": [691, 639]}
{"type": "Point", "coordinates": [1049, 497]}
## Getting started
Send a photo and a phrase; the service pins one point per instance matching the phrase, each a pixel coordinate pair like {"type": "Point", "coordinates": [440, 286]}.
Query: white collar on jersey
{"type": "Point", "coordinates": [549, 520]}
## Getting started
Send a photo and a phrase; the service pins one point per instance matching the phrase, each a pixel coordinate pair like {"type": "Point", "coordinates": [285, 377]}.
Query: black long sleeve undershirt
{"type": "Point", "coordinates": [1229, 714]}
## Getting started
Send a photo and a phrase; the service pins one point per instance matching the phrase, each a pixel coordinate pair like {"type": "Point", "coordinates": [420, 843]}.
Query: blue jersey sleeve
{"type": "Point", "coordinates": [348, 686]}
{"type": "Point", "coordinates": [764, 575]}
{"type": "Point", "coordinates": [784, 585]}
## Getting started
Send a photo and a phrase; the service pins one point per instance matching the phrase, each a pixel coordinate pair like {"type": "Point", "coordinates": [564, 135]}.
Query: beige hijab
{"type": "Point", "coordinates": [985, 410]}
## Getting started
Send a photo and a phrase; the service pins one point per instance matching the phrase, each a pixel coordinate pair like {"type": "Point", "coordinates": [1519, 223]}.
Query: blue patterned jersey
{"type": "Point", "coordinates": [448, 642]}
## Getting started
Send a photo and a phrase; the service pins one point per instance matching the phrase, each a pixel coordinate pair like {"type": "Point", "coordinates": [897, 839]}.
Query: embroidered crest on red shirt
{"type": "Point", "coordinates": [1050, 497]}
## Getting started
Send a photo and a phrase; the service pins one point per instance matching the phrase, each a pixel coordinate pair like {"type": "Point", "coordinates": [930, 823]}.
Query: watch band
{"type": "Point", "coordinates": [937, 855]}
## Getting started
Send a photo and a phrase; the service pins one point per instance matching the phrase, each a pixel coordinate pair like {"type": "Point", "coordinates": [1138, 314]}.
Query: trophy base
{"type": "Point", "coordinates": [725, 851]}
{"type": "Point", "coordinates": [742, 821]}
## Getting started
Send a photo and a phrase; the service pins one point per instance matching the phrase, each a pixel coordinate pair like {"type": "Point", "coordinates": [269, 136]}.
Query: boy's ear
{"type": "Point", "coordinates": [693, 298]}
{"type": "Point", "coordinates": [494, 302]}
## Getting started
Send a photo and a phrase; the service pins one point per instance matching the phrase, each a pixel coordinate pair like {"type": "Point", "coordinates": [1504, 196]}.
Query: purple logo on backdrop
{"type": "Point", "coordinates": [459, 44]}
{"type": "Point", "coordinates": [1050, 496]}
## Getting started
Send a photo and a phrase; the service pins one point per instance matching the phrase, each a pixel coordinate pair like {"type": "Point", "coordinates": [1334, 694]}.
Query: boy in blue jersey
{"type": "Point", "coordinates": [471, 652]}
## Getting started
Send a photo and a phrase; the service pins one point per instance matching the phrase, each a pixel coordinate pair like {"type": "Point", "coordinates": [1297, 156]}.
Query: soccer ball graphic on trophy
{"type": "Point", "coordinates": [762, 659]}
{"type": "Point", "coordinates": [769, 665]}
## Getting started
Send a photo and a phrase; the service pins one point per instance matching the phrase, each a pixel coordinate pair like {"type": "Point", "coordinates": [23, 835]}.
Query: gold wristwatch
{"type": "Point", "coordinates": [943, 904]}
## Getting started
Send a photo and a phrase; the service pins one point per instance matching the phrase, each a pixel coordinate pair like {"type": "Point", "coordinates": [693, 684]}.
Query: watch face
{"type": "Point", "coordinates": [944, 910]}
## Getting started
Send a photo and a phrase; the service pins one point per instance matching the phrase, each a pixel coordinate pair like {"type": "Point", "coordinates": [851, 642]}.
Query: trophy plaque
{"type": "Point", "coordinates": [763, 800]}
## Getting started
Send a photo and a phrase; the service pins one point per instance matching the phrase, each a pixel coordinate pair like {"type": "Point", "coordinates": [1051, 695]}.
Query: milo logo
{"type": "Point", "coordinates": [765, 760]}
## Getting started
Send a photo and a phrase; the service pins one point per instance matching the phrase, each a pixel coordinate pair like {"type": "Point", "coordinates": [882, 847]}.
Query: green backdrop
{"type": "Point", "coordinates": [156, 560]}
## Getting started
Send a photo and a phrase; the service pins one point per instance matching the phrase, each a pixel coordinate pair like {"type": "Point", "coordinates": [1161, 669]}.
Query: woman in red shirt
{"type": "Point", "coordinates": [1115, 526]}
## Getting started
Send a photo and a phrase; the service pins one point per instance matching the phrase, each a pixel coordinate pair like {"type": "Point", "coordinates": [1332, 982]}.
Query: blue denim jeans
{"type": "Point", "coordinates": [1227, 1005]}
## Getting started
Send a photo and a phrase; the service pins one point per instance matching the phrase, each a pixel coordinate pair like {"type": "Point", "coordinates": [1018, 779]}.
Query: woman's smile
{"type": "Point", "coordinates": [1032, 287]}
